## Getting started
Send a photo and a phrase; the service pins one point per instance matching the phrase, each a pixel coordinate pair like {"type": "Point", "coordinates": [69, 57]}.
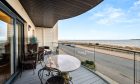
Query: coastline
{"type": "Point", "coordinates": [132, 43]}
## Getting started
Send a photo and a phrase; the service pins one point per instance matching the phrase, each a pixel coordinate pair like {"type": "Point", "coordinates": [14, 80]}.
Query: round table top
{"type": "Point", "coordinates": [64, 63]}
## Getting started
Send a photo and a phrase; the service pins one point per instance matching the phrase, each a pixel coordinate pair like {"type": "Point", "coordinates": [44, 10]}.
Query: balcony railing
{"type": "Point", "coordinates": [79, 76]}
{"type": "Point", "coordinates": [123, 66]}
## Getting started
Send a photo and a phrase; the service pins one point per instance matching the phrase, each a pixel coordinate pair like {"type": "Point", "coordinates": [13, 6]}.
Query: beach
{"type": "Point", "coordinates": [123, 43]}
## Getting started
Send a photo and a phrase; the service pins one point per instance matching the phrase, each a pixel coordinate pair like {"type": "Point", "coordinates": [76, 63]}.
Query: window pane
{"type": "Point", "coordinates": [6, 46]}
{"type": "Point", "coordinates": [19, 49]}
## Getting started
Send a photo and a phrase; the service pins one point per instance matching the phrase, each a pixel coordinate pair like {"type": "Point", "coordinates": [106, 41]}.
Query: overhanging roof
{"type": "Point", "coordinates": [45, 13]}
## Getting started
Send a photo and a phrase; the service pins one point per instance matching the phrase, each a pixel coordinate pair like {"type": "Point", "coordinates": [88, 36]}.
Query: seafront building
{"type": "Point", "coordinates": [22, 19]}
{"type": "Point", "coordinates": [32, 25]}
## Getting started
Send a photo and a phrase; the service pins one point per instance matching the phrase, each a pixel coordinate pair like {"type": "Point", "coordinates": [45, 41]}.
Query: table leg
{"type": "Point", "coordinates": [66, 77]}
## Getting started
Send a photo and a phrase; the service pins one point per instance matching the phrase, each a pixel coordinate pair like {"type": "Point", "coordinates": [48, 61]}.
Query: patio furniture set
{"type": "Point", "coordinates": [56, 66]}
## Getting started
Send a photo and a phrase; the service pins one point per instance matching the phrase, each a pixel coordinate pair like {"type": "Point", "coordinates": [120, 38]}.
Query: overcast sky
{"type": "Point", "coordinates": [110, 20]}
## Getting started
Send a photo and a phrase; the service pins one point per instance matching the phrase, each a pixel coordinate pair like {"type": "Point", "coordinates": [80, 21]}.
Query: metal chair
{"type": "Point", "coordinates": [56, 80]}
{"type": "Point", "coordinates": [41, 54]}
{"type": "Point", "coordinates": [51, 72]}
{"type": "Point", "coordinates": [29, 62]}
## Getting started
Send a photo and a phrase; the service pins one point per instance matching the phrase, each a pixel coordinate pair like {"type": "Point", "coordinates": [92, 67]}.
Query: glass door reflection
{"type": "Point", "coordinates": [6, 46]}
{"type": "Point", "coordinates": [19, 43]}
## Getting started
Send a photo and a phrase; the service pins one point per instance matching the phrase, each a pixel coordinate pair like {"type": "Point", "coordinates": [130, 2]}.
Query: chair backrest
{"type": "Point", "coordinates": [40, 49]}
{"type": "Point", "coordinates": [46, 47]}
{"type": "Point", "coordinates": [40, 53]}
{"type": "Point", "coordinates": [56, 80]}
{"type": "Point", "coordinates": [33, 47]}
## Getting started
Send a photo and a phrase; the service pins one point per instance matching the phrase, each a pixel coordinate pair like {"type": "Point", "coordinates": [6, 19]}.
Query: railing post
{"type": "Point", "coordinates": [74, 52]}
{"type": "Point", "coordinates": [134, 67]}
{"type": "Point", "coordinates": [94, 53]}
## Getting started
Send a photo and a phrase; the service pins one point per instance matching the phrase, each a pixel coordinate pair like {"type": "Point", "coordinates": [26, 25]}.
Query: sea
{"type": "Point", "coordinates": [131, 43]}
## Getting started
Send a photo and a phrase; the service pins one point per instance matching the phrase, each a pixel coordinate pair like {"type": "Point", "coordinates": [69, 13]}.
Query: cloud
{"type": "Point", "coordinates": [136, 5]}
{"type": "Point", "coordinates": [108, 16]}
{"type": "Point", "coordinates": [104, 35]}
{"type": "Point", "coordinates": [135, 8]}
{"type": "Point", "coordinates": [111, 15]}
{"type": "Point", "coordinates": [126, 33]}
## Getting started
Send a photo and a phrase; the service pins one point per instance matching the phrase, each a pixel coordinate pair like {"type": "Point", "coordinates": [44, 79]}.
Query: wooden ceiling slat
{"type": "Point", "coordinates": [45, 13]}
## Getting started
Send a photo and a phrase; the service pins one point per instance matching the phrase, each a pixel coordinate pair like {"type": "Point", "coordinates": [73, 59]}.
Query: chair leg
{"type": "Point", "coordinates": [70, 80]}
{"type": "Point", "coordinates": [21, 70]}
{"type": "Point", "coordinates": [40, 76]}
{"type": "Point", "coordinates": [33, 69]}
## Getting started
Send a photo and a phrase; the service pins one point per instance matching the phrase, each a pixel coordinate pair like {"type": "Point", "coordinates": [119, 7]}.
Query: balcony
{"type": "Point", "coordinates": [79, 76]}
{"type": "Point", "coordinates": [113, 65]}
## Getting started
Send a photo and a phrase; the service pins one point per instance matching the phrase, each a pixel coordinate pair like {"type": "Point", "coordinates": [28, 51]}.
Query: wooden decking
{"type": "Point", "coordinates": [79, 76]}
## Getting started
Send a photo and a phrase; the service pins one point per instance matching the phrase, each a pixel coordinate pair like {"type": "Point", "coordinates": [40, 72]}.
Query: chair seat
{"type": "Point", "coordinates": [56, 80]}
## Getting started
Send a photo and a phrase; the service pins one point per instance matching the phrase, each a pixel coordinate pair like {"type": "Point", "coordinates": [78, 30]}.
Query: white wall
{"type": "Point", "coordinates": [39, 35]}
{"type": "Point", "coordinates": [21, 11]}
{"type": "Point", "coordinates": [47, 36]}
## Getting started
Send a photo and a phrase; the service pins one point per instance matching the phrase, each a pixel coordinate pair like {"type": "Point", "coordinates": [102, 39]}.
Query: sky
{"type": "Point", "coordinates": [3, 31]}
{"type": "Point", "coordinates": [110, 20]}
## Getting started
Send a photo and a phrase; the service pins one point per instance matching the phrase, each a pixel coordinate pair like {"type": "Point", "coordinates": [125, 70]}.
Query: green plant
{"type": "Point", "coordinates": [83, 63]}
{"type": "Point", "coordinates": [33, 40]}
{"type": "Point", "coordinates": [89, 64]}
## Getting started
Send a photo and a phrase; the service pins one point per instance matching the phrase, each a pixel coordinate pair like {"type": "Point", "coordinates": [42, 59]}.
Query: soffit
{"type": "Point", "coordinates": [45, 13]}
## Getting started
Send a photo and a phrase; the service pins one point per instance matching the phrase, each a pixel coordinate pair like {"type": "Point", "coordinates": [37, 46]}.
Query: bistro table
{"type": "Point", "coordinates": [64, 63]}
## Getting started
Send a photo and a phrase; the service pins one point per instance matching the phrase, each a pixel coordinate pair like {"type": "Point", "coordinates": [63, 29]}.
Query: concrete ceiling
{"type": "Point", "coordinates": [45, 13]}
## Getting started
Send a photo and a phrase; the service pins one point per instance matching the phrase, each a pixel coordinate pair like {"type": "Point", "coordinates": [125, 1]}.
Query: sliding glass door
{"type": "Point", "coordinates": [6, 46]}
{"type": "Point", "coordinates": [11, 44]}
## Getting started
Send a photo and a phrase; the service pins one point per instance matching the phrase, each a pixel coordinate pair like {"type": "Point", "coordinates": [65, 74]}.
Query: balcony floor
{"type": "Point", "coordinates": [79, 76]}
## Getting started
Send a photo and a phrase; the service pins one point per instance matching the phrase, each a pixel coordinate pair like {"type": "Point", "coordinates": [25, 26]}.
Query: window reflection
{"type": "Point", "coordinates": [19, 48]}
{"type": "Point", "coordinates": [6, 46]}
